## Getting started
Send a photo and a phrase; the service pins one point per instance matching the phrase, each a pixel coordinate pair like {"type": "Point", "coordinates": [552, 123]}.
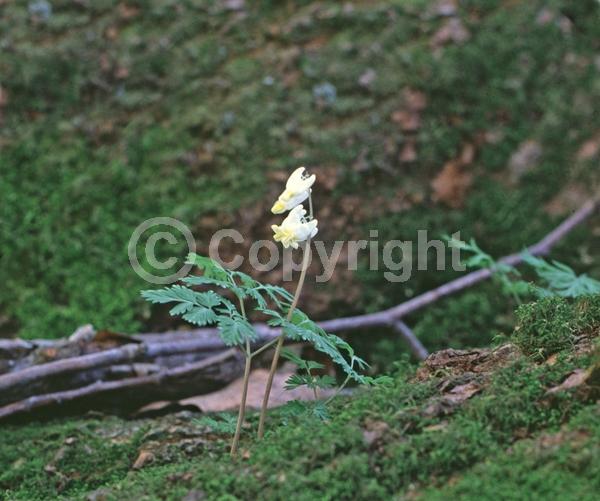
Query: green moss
{"type": "Point", "coordinates": [552, 324]}
{"type": "Point", "coordinates": [303, 458]}
{"type": "Point", "coordinates": [116, 115]}
{"type": "Point", "coordinates": [562, 465]}
{"type": "Point", "coordinates": [45, 461]}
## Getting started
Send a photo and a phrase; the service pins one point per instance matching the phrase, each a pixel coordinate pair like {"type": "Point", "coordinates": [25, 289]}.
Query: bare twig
{"type": "Point", "coordinates": [414, 344]}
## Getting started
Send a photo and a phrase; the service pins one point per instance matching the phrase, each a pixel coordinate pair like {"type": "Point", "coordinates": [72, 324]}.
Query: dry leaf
{"type": "Point", "coordinates": [121, 72]}
{"type": "Point", "coordinates": [111, 33]}
{"type": "Point", "coordinates": [144, 458]}
{"type": "Point", "coordinates": [451, 184]}
{"type": "Point", "coordinates": [415, 100]}
{"type": "Point", "coordinates": [568, 199]}
{"type": "Point", "coordinates": [409, 152]}
{"type": "Point", "coordinates": [588, 150]}
{"type": "Point", "coordinates": [407, 120]}
{"type": "Point", "coordinates": [229, 398]}
{"type": "Point", "coordinates": [128, 11]}
{"type": "Point", "coordinates": [575, 379]}
{"type": "Point", "coordinates": [373, 431]}
{"type": "Point", "coordinates": [459, 394]}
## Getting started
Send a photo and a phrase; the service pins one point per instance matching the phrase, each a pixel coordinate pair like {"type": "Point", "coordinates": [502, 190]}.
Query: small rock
{"type": "Point", "coordinates": [453, 30]}
{"type": "Point", "coordinates": [409, 152]}
{"type": "Point", "coordinates": [234, 4]}
{"type": "Point", "coordinates": [325, 93]}
{"type": "Point", "coordinates": [40, 10]}
{"type": "Point", "coordinates": [442, 8]}
{"type": "Point", "coordinates": [194, 495]}
{"type": "Point", "coordinates": [98, 495]}
{"type": "Point", "coordinates": [367, 78]}
{"type": "Point", "coordinates": [525, 159]}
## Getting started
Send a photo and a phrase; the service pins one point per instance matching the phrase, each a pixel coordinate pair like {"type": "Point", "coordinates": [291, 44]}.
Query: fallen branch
{"type": "Point", "coordinates": [129, 394]}
{"type": "Point", "coordinates": [415, 346]}
{"type": "Point", "coordinates": [53, 382]}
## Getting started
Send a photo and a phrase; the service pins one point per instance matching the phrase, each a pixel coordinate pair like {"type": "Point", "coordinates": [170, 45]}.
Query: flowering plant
{"type": "Point", "coordinates": [239, 294]}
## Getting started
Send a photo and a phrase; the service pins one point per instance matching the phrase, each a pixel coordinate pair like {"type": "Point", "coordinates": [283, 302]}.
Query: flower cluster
{"type": "Point", "coordinates": [296, 227]}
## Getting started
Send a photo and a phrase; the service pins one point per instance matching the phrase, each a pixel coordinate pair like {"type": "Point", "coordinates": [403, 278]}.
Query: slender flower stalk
{"type": "Point", "coordinates": [242, 410]}
{"type": "Point", "coordinates": [280, 339]}
{"type": "Point", "coordinates": [294, 229]}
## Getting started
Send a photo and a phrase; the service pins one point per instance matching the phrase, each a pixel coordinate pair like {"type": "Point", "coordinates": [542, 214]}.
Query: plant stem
{"type": "Point", "coordinates": [280, 339]}
{"type": "Point", "coordinates": [339, 390]}
{"type": "Point", "coordinates": [242, 411]}
{"type": "Point", "coordinates": [264, 347]}
{"type": "Point", "coordinates": [315, 392]}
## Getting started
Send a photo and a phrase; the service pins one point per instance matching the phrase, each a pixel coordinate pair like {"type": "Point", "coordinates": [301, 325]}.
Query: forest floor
{"type": "Point", "coordinates": [517, 421]}
{"type": "Point", "coordinates": [471, 116]}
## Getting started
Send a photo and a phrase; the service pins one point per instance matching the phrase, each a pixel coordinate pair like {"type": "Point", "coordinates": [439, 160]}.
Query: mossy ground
{"type": "Point", "coordinates": [115, 112]}
{"type": "Point", "coordinates": [416, 437]}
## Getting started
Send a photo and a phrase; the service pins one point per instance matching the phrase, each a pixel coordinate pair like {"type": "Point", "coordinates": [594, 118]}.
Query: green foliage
{"type": "Point", "coordinates": [508, 435]}
{"type": "Point", "coordinates": [67, 457]}
{"type": "Point", "coordinates": [302, 328]}
{"type": "Point", "coordinates": [309, 379]}
{"type": "Point", "coordinates": [211, 100]}
{"type": "Point", "coordinates": [552, 324]}
{"type": "Point", "coordinates": [563, 464]}
{"type": "Point", "coordinates": [296, 410]}
{"type": "Point", "coordinates": [559, 279]}
{"type": "Point", "coordinates": [505, 274]}
{"type": "Point", "coordinates": [204, 308]}
{"type": "Point", "coordinates": [235, 329]}
{"type": "Point", "coordinates": [222, 423]}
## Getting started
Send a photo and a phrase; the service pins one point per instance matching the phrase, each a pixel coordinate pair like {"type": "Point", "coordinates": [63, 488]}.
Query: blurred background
{"type": "Point", "coordinates": [473, 116]}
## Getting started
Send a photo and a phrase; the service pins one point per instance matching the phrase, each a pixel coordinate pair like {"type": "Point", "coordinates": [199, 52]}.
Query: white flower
{"type": "Point", "coordinates": [296, 191]}
{"type": "Point", "coordinates": [295, 228]}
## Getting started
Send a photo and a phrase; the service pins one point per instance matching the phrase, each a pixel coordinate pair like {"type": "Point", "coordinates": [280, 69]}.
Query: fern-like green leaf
{"type": "Point", "coordinates": [200, 316]}
{"type": "Point", "coordinates": [297, 380]}
{"type": "Point", "coordinates": [175, 293]}
{"type": "Point", "coordinates": [235, 330]}
{"type": "Point", "coordinates": [211, 268]}
{"type": "Point", "coordinates": [559, 279]}
{"type": "Point", "coordinates": [325, 343]}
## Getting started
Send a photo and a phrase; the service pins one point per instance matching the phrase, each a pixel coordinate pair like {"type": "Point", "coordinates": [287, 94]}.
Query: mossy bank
{"type": "Point", "coordinates": [475, 424]}
{"type": "Point", "coordinates": [116, 112]}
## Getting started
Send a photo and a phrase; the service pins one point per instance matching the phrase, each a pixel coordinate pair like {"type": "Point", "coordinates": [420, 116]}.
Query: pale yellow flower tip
{"type": "Point", "coordinates": [278, 207]}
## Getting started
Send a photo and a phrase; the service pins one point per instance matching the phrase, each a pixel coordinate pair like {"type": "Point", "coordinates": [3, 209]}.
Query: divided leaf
{"type": "Point", "coordinates": [201, 316]}
{"type": "Point", "coordinates": [235, 330]}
